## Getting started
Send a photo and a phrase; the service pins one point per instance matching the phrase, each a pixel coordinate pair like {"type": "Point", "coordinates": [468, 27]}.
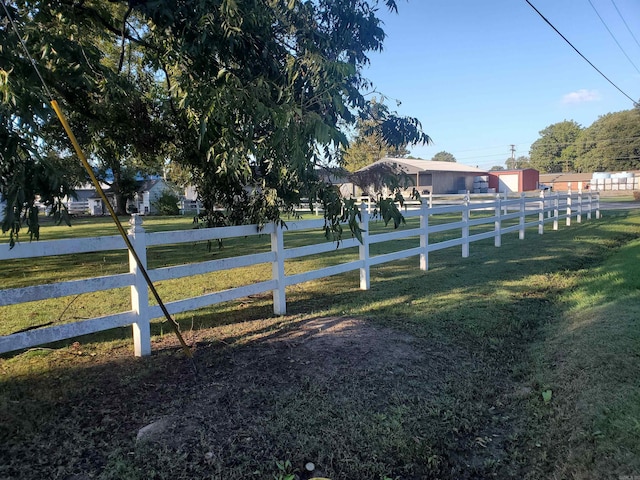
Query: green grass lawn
{"type": "Point", "coordinates": [27, 272]}
{"type": "Point", "coordinates": [517, 362]}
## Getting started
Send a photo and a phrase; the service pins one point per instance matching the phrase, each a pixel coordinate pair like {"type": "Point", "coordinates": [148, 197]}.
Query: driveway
{"type": "Point", "coordinates": [618, 205]}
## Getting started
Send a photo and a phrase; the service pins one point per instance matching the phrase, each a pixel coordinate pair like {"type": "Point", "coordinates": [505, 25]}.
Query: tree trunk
{"type": "Point", "coordinates": [120, 199]}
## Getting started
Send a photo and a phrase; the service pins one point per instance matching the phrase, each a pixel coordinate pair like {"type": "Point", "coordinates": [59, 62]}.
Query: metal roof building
{"type": "Point", "coordinates": [435, 177]}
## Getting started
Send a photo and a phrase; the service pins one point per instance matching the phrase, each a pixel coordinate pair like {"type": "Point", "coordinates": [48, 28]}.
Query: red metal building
{"type": "Point", "coordinates": [509, 181]}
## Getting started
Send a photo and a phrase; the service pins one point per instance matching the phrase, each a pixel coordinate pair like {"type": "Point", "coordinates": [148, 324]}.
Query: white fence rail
{"type": "Point", "coordinates": [528, 211]}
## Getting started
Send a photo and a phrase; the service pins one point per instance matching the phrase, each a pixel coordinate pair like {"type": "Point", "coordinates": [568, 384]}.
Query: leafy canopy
{"type": "Point", "coordinates": [611, 143]}
{"type": "Point", "coordinates": [518, 163]}
{"type": "Point", "coordinates": [555, 151]}
{"type": "Point", "coordinates": [249, 95]}
{"type": "Point", "coordinates": [369, 145]}
{"type": "Point", "coordinates": [443, 157]}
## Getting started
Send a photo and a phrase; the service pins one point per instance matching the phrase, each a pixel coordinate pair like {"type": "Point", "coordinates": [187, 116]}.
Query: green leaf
{"type": "Point", "coordinates": [546, 396]}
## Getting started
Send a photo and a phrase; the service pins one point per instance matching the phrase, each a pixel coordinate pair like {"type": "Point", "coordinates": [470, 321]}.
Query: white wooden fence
{"type": "Point", "coordinates": [501, 216]}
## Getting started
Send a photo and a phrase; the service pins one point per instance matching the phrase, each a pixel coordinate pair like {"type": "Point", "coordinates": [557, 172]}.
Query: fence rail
{"type": "Point", "coordinates": [498, 214]}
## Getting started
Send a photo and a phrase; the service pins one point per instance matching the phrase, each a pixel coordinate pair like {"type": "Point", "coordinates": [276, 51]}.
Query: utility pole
{"type": "Point", "coordinates": [511, 165]}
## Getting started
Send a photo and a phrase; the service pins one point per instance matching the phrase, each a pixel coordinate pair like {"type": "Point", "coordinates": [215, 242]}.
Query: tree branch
{"type": "Point", "coordinates": [124, 33]}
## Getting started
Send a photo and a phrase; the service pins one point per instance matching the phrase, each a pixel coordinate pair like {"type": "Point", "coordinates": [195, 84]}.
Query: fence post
{"type": "Point", "coordinates": [541, 213]}
{"type": "Point", "coordinates": [277, 270]}
{"type": "Point", "coordinates": [569, 202]}
{"type": "Point", "coordinates": [465, 227]}
{"type": "Point", "coordinates": [579, 215]}
{"type": "Point", "coordinates": [523, 207]}
{"type": "Point", "coordinates": [556, 210]}
{"type": "Point", "coordinates": [431, 198]}
{"type": "Point", "coordinates": [424, 237]}
{"type": "Point", "coordinates": [139, 291]}
{"type": "Point", "coordinates": [363, 249]}
{"type": "Point", "coordinates": [597, 205]}
{"type": "Point", "coordinates": [497, 226]}
{"type": "Point", "coordinates": [590, 204]}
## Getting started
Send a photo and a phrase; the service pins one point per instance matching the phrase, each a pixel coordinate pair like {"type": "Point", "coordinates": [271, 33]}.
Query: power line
{"type": "Point", "coordinates": [503, 156]}
{"type": "Point", "coordinates": [483, 156]}
{"type": "Point", "coordinates": [635, 157]}
{"type": "Point", "coordinates": [485, 148]}
{"type": "Point", "coordinates": [579, 53]}
{"type": "Point", "coordinates": [610, 139]}
{"type": "Point", "coordinates": [612, 35]}
{"type": "Point", "coordinates": [625, 23]}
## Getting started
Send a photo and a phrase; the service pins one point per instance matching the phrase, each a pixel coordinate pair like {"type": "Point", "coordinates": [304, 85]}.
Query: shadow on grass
{"type": "Point", "coordinates": [360, 402]}
{"type": "Point", "coordinates": [589, 361]}
{"type": "Point", "coordinates": [399, 288]}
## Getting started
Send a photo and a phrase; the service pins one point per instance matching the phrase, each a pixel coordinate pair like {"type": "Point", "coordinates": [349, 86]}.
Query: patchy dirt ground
{"type": "Point", "coordinates": [356, 400]}
{"type": "Point", "coordinates": [320, 352]}
{"type": "Point", "coordinates": [326, 347]}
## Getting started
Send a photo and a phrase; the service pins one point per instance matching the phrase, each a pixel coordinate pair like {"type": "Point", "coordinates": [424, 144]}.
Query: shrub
{"type": "Point", "coordinates": [167, 203]}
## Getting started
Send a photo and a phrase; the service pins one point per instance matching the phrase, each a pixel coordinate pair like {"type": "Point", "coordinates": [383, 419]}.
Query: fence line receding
{"type": "Point", "coordinates": [499, 215]}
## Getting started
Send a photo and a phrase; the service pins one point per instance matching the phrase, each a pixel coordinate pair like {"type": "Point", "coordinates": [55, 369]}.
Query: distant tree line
{"type": "Point", "coordinates": [611, 143]}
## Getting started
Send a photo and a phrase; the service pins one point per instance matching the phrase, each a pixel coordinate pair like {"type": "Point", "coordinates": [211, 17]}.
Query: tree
{"type": "Point", "coordinates": [167, 203]}
{"type": "Point", "coordinates": [269, 86]}
{"type": "Point", "coordinates": [496, 168]}
{"type": "Point", "coordinates": [105, 89]}
{"type": "Point", "coordinates": [611, 143]}
{"type": "Point", "coordinates": [367, 148]}
{"type": "Point", "coordinates": [555, 150]}
{"type": "Point", "coordinates": [253, 94]}
{"type": "Point", "coordinates": [443, 157]}
{"type": "Point", "coordinates": [515, 164]}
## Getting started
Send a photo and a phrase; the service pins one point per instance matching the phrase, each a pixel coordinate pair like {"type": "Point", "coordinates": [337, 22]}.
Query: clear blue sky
{"type": "Point", "coordinates": [481, 76]}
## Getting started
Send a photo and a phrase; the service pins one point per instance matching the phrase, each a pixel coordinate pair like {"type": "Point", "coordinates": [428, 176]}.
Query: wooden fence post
{"type": "Point", "coordinates": [498, 222]}
{"type": "Point", "coordinates": [277, 270]}
{"type": "Point", "coordinates": [590, 205]}
{"type": "Point", "coordinates": [465, 227]}
{"type": "Point", "coordinates": [363, 249]}
{"type": "Point", "coordinates": [424, 237]}
{"type": "Point", "coordinates": [598, 206]}
{"type": "Point", "coordinates": [523, 207]}
{"type": "Point", "coordinates": [139, 291]}
{"type": "Point", "coordinates": [543, 204]}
